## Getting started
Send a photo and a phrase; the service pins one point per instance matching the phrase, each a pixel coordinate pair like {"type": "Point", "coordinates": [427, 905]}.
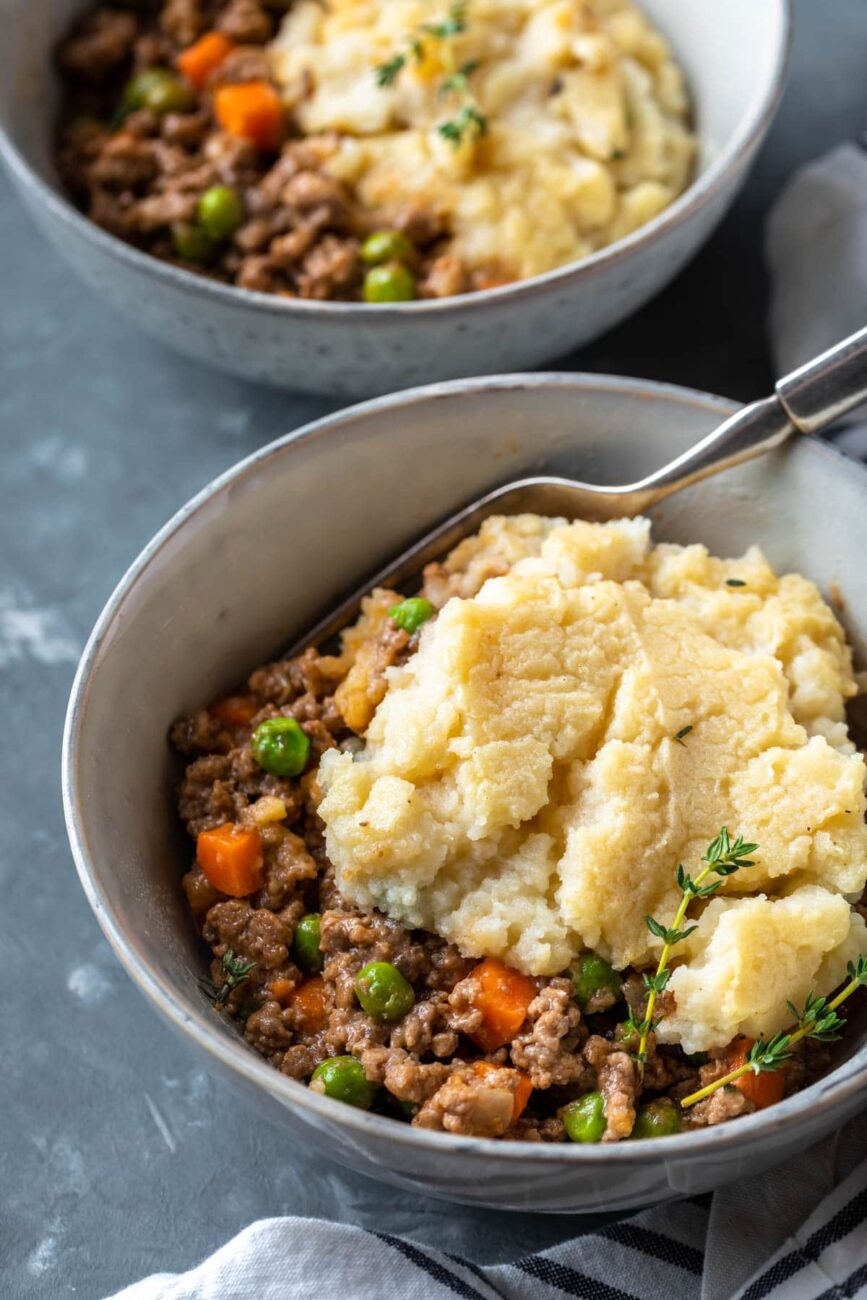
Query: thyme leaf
{"type": "Point", "coordinates": [689, 886]}
{"type": "Point", "coordinates": [816, 1019]}
{"type": "Point", "coordinates": [387, 73]}
{"type": "Point", "coordinates": [735, 582]}
{"type": "Point", "coordinates": [766, 1056]}
{"type": "Point", "coordinates": [670, 937]}
{"type": "Point", "coordinates": [469, 121]}
{"type": "Point", "coordinates": [234, 972]}
{"type": "Point", "coordinates": [684, 731]}
{"type": "Point", "coordinates": [656, 983]}
{"type": "Point", "coordinates": [452, 25]}
{"type": "Point", "coordinates": [725, 857]}
{"type": "Point", "coordinates": [457, 81]}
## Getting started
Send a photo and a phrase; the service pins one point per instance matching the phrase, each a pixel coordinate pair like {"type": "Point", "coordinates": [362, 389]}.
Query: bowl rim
{"type": "Point", "coordinates": [233, 1054]}
{"type": "Point", "coordinates": [736, 153]}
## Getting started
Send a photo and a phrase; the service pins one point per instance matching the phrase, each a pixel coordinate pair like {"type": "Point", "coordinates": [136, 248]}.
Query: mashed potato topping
{"type": "Point", "coordinates": [522, 792]}
{"type": "Point", "coordinates": [586, 112]}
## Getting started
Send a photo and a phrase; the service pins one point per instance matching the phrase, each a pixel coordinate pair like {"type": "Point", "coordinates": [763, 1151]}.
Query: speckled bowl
{"type": "Point", "coordinates": [735, 58]}
{"type": "Point", "coordinates": [266, 549]}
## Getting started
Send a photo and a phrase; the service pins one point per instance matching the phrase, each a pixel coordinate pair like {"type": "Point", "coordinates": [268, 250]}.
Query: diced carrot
{"type": "Point", "coordinates": [522, 1096]}
{"type": "Point", "coordinates": [522, 1092]}
{"type": "Point", "coordinates": [281, 990]}
{"type": "Point", "coordinates": [761, 1089]}
{"type": "Point", "coordinates": [231, 858]}
{"type": "Point", "coordinates": [204, 56]}
{"type": "Point", "coordinates": [491, 279]}
{"type": "Point", "coordinates": [236, 710]}
{"type": "Point", "coordinates": [308, 1003]}
{"type": "Point", "coordinates": [504, 997]}
{"type": "Point", "coordinates": [251, 110]}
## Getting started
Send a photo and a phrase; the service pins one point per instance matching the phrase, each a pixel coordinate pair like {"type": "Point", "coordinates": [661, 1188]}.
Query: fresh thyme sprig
{"type": "Point", "coordinates": [468, 121]}
{"type": "Point", "coordinates": [234, 972]}
{"type": "Point", "coordinates": [723, 858]}
{"type": "Point", "coordinates": [818, 1020]}
{"type": "Point", "coordinates": [821, 1021]}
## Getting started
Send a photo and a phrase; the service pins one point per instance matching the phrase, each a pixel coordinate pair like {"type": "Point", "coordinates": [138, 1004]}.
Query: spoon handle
{"type": "Point", "coordinates": [806, 400]}
{"type": "Point", "coordinates": [824, 389]}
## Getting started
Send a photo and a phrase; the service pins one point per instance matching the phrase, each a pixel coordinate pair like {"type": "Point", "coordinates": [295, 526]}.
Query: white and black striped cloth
{"type": "Point", "coordinates": [798, 1232]}
{"type": "Point", "coordinates": [758, 1240]}
{"type": "Point", "coordinates": [816, 252]}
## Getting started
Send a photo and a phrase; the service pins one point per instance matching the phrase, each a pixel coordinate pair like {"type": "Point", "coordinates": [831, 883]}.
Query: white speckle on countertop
{"type": "Point", "coordinates": [68, 1173]}
{"type": "Point", "coordinates": [43, 1257]}
{"type": "Point", "coordinates": [230, 422]}
{"type": "Point", "coordinates": [65, 460]}
{"type": "Point", "coordinates": [188, 1099]}
{"type": "Point", "coordinates": [161, 1124]}
{"type": "Point", "coordinates": [37, 634]}
{"type": "Point", "coordinates": [65, 1163]}
{"type": "Point", "coordinates": [89, 984]}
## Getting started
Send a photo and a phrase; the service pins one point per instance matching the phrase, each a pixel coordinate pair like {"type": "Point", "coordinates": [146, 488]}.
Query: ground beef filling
{"type": "Point", "coordinates": [428, 1066]}
{"type": "Point", "coordinates": [140, 174]}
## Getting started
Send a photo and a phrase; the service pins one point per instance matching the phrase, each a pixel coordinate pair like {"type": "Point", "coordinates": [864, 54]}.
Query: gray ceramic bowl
{"type": "Point", "coordinates": [254, 560]}
{"type": "Point", "coordinates": [735, 57]}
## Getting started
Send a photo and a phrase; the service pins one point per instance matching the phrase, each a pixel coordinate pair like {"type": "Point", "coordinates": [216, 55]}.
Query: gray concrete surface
{"type": "Point", "coordinates": [119, 1154]}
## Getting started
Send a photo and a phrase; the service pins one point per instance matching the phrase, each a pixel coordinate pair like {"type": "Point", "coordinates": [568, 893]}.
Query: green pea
{"type": "Point", "coordinates": [625, 1033]}
{"type": "Point", "coordinates": [191, 243]}
{"type": "Point", "coordinates": [306, 952]}
{"type": "Point", "coordinates": [386, 246]}
{"type": "Point", "coordinates": [595, 984]}
{"type": "Point", "coordinates": [411, 613]}
{"type": "Point", "coordinates": [383, 992]}
{"type": "Point", "coordinates": [403, 1110]}
{"type": "Point", "coordinates": [221, 211]}
{"type": "Point", "coordinates": [280, 746]}
{"type": "Point", "coordinates": [657, 1119]}
{"type": "Point", "coordinates": [584, 1119]}
{"type": "Point", "coordinates": [391, 282]}
{"type": "Point", "coordinates": [343, 1079]}
{"type": "Point", "coordinates": [160, 91]}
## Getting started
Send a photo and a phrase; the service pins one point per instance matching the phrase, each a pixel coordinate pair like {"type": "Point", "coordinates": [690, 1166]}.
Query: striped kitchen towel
{"type": "Point", "coordinates": [798, 1232]}
{"type": "Point", "coordinates": [816, 252]}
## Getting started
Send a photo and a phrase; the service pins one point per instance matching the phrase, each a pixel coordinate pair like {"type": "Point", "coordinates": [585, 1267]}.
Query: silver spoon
{"type": "Point", "coordinates": [807, 400]}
